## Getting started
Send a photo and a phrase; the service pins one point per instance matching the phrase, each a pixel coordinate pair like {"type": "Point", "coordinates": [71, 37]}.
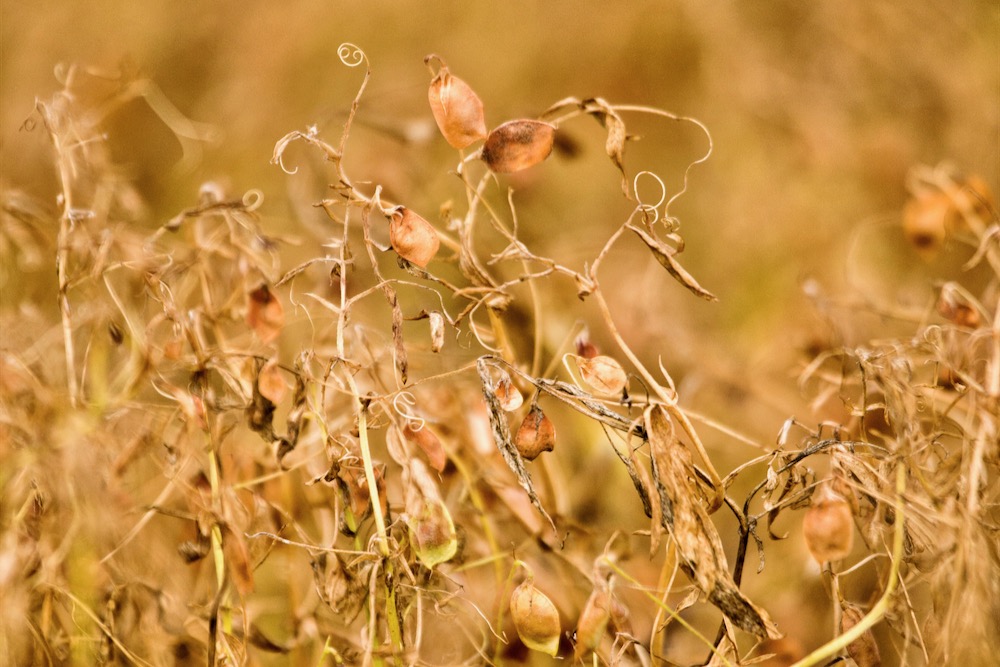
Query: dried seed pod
{"type": "Point", "coordinates": [457, 109]}
{"type": "Point", "coordinates": [429, 443]}
{"type": "Point", "coordinates": [265, 314]}
{"type": "Point", "coordinates": [862, 650]}
{"type": "Point", "coordinates": [437, 331]}
{"type": "Point", "coordinates": [927, 219]}
{"type": "Point", "coordinates": [535, 618]}
{"type": "Point", "coordinates": [432, 534]}
{"type": "Point", "coordinates": [828, 526]}
{"type": "Point", "coordinates": [536, 434]}
{"type": "Point", "coordinates": [508, 395]}
{"type": "Point", "coordinates": [585, 348]}
{"type": "Point", "coordinates": [413, 238]}
{"type": "Point", "coordinates": [593, 621]}
{"type": "Point", "coordinates": [517, 145]}
{"type": "Point", "coordinates": [271, 383]}
{"type": "Point", "coordinates": [604, 375]}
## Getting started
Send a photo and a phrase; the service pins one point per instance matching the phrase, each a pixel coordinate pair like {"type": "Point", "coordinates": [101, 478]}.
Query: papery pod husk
{"type": "Point", "coordinates": [517, 145]}
{"type": "Point", "coordinates": [828, 526]}
{"type": "Point", "coordinates": [863, 650]}
{"type": "Point", "coordinates": [927, 220]}
{"type": "Point", "coordinates": [413, 238]}
{"type": "Point", "coordinates": [603, 374]}
{"type": "Point", "coordinates": [432, 534]}
{"type": "Point", "coordinates": [457, 109]}
{"type": "Point", "coordinates": [535, 618]}
{"type": "Point", "coordinates": [536, 434]}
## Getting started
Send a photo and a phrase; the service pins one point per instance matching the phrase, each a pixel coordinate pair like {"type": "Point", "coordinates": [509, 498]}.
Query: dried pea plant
{"type": "Point", "coordinates": [402, 509]}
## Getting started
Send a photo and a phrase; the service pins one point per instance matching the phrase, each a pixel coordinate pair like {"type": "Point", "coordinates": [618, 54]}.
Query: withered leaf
{"type": "Point", "coordinates": [664, 255]}
{"type": "Point", "coordinates": [517, 145]}
{"type": "Point", "coordinates": [265, 314]}
{"type": "Point", "coordinates": [698, 543]}
{"type": "Point", "coordinates": [501, 436]}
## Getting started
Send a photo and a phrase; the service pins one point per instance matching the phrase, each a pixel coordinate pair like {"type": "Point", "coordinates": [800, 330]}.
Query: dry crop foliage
{"type": "Point", "coordinates": [407, 513]}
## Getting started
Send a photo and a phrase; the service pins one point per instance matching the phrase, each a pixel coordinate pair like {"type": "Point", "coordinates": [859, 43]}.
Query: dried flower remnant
{"type": "Point", "coordinates": [265, 314]}
{"type": "Point", "coordinates": [413, 238]}
{"type": "Point", "coordinates": [517, 145]}
{"type": "Point", "coordinates": [535, 618]}
{"type": "Point", "coordinates": [536, 434]}
{"type": "Point", "coordinates": [828, 526]}
{"type": "Point", "coordinates": [457, 109]}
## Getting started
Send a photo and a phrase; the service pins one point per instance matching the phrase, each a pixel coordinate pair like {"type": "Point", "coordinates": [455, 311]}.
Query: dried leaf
{"type": "Point", "coordinates": [501, 436]}
{"type": "Point", "coordinates": [517, 145]}
{"type": "Point", "coordinates": [863, 650]}
{"type": "Point", "coordinates": [265, 314]}
{"type": "Point", "coordinates": [413, 238]}
{"type": "Point", "coordinates": [457, 109]}
{"type": "Point", "coordinates": [698, 544]}
{"type": "Point", "coordinates": [664, 255]}
{"type": "Point", "coordinates": [234, 547]}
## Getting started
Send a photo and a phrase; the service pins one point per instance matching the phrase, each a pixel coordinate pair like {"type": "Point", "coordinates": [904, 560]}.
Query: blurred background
{"type": "Point", "coordinates": [818, 111]}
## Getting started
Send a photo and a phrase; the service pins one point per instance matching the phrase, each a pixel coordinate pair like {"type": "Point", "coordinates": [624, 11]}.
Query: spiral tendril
{"type": "Point", "coordinates": [351, 55]}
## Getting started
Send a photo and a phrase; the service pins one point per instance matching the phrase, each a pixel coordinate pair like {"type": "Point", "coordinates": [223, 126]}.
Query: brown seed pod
{"type": "Point", "coordinates": [535, 618]}
{"type": "Point", "coordinates": [432, 534]}
{"type": "Point", "coordinates": [265, 314]}
{"type": "Point", "coordinates": [593, 621]}
{"type": "Point", "coordinates": [508, 395]}
{"type": "Point", "coordinates": [603, 374]}
{"type": "Point", "coordinates": [828, 526]}
{"type": "Point", "coordinates": [927, 219]}
{"type": "Point", "coordinates": [862, 650]}
{"type": "Point", "coordinates": [457, 109]}
{"type": "Point", "coordinates": [413, 238]}
{"type": "Point", "coordinates": [536, 434]}
{"type": "Point", "coordinates": [517, 145]}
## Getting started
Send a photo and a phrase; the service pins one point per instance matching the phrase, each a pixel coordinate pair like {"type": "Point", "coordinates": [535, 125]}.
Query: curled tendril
{"type": "Point", "coordinates": [650, 212]}
{"type": "Point", "coordinates": [413, 421]}
{"type": "Point", "coordinates": [351, 55]}
{"type": "Point", "coordinates": [252, 200]}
